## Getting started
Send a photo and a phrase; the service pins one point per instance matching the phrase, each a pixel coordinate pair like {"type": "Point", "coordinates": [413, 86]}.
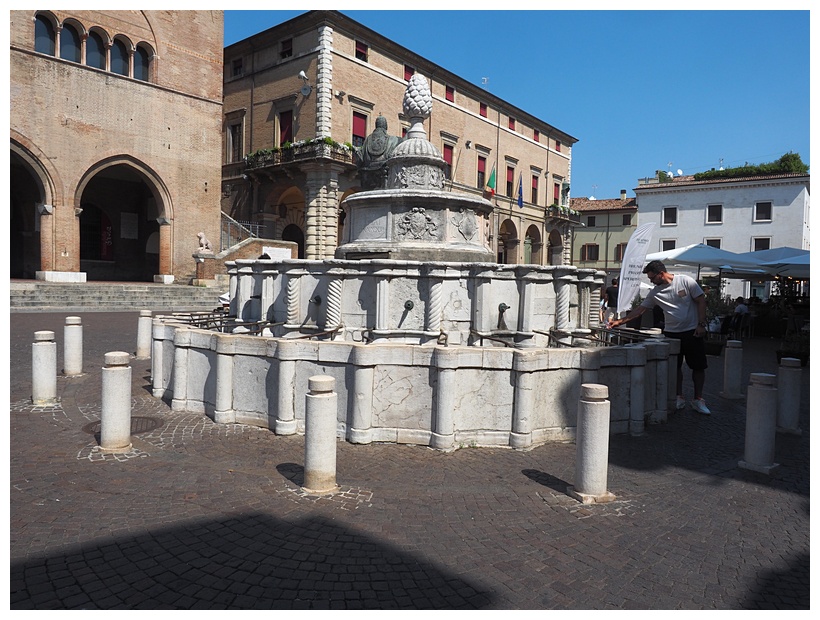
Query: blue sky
{"type": "Point", "coordinates": [640, 90]}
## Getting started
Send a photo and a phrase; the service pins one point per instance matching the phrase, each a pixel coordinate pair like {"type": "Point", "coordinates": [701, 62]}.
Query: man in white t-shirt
{"type": "Point", "coordinates": [684, 309]}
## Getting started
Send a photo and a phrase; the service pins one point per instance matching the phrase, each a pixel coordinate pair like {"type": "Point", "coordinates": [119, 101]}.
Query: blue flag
{"type": "Point", "coordinates": [520, 191]}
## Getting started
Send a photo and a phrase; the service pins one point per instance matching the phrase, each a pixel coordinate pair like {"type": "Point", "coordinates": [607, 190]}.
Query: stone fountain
{"type": "Point", "coordinates": [430, 342]}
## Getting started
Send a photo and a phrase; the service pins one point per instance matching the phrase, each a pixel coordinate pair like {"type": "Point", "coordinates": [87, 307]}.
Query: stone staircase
{"type": "Point", "coordinates": [37, 296]}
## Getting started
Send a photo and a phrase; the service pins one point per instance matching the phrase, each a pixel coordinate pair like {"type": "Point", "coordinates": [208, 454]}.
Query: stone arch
{"type": "Point", "coordinates": [507, 243]}
{"type": "Point", "coordinates": [124, 209]}
{"type": "Point", "coordinates": [555, 248]}
{"type": "Point", "coordinates": [32, 195]}
{"type": "Point", "coordinates": [533, 245]}
{"type": "Point", "coordinates": [340, 238]}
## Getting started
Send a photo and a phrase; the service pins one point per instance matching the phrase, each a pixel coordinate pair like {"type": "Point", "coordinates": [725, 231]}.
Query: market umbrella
{"type": "Point", "coordinates": [701, 255]}
{"type": "Point", "coordinates": [793, 267]}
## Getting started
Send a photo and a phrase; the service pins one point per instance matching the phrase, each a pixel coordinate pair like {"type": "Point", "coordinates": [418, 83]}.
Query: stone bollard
{"type": "Point", "coordinates": [732, 370]}
{"type": "Point", "coordinates": [320, 436]}
{"type": "Point", "coordinates": [115, 417]}
{"type": "Point", "coordinates": [44, 369]}
{"type": "Point", "coordinates": [73, 346]}
{"type": "Point", "coordinates": [144, 330]}
{"type": "Point", "coordinates": [592, 446]}
{"type": "Point", "coordinates": [761, 420]}
{"type": "Point", "coordinates": [788, 396]}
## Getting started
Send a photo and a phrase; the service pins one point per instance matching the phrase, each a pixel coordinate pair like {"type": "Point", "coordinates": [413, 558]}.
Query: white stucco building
{"type": "Point", "coordinates": [738, 215]}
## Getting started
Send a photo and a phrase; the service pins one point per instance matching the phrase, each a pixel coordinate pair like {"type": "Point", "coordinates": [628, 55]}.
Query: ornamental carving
{"type": "Point", "coordinates": [466, 224]}
{"type": "Point", "coordinates": [421, 176]}
{"type": "Point", "coordinates": [417, 224]}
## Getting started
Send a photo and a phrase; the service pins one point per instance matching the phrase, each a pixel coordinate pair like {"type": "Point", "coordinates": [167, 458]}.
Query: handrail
{"type": "Point", "coordinates": [492, 338]}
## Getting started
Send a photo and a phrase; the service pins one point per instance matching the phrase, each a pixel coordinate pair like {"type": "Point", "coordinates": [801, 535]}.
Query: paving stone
{"type": "Point", "coordinates": [206, 516]}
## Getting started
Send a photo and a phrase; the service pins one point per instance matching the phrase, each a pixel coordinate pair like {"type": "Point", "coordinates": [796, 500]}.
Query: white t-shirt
{"type": "Point", "coordinates": [677, 300]}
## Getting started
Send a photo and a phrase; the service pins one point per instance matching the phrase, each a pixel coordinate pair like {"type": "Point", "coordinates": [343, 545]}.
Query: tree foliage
{"type": "Point", "coordinates": [790, 163]}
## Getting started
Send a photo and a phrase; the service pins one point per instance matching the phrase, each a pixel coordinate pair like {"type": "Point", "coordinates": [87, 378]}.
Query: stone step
{"type": "Point", "coordinates": [29, 296]}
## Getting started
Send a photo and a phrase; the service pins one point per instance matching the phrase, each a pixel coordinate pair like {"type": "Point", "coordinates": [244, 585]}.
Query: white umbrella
{"type": "Point", "coordinates": [794, 267]}
{"type": "Point", "coordinates": [701, 255]}
{"type": "Point", "coordinates": [772, 254]}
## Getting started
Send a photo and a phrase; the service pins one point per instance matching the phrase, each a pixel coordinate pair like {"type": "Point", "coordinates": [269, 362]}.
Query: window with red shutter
{"type": "Point", "coordinates": [285, 127]}
{"type": "Point", "coordinates": [359, 128]}
{"type": "Point", "coordinates": [361, 51]}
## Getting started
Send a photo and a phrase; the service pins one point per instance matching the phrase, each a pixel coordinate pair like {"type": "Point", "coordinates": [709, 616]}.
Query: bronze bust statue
{"type": "Point", "coordinates": [372, 156]}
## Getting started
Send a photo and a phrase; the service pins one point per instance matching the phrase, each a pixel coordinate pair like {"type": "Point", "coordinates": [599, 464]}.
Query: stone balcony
{"type": "Point", "coordinates": [299, 153]}
{"type": "Point", "coordinates": [562, 214]}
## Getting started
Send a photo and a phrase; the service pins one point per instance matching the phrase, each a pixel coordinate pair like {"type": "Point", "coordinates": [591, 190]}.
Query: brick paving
{"type": "Point", "coordinates": [205, 516]}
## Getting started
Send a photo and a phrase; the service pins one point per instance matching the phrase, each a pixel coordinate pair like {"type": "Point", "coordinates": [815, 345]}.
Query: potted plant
{"type": "Point", "coordinates": [795, 344]}
{"type": "Point", "coordinates": [717, 309]}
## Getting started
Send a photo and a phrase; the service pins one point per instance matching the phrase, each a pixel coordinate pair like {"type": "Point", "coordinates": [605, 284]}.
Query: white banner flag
{"type": "Point", "coordinates": [632, 265]}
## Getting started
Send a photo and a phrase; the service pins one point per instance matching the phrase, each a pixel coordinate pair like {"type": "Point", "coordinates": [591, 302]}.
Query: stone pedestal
{"type": "Point", "coordinates": [206, 266]}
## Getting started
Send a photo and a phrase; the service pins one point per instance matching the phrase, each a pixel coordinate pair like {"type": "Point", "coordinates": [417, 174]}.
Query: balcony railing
{"type": "Point", "coordinates": [563, 213]}
{"type": "Point", "coordinates": [299, 152]}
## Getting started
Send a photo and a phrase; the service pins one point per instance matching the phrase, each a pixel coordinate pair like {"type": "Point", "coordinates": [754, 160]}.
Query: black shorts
{"type": "Point", "coordinates": [691, 348]}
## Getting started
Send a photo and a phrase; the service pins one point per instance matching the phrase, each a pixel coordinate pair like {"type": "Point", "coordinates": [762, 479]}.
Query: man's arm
{"type": "Point", "coordinates": [633, 314]}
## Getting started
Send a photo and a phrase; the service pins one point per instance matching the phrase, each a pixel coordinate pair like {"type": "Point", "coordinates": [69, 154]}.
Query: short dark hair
{"type": "Point", "coordinates": [614, 280]}
{"type": "Point", "coordinates": [655, 266]}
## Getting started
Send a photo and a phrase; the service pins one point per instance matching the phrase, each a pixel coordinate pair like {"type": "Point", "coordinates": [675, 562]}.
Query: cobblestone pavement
{"type": "Point", "coordinates": [205, 516]}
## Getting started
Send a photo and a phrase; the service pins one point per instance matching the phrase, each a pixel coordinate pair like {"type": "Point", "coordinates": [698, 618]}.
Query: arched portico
{"type": "Point", "coordinates": [124, 222]}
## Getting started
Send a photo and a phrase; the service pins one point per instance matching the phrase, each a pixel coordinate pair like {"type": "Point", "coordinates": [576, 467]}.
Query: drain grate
{"type": "Point", "coordinates": [139, 424]}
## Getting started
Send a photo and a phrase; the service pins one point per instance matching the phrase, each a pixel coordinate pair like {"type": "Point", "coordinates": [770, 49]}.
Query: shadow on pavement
{"type": "Point", "coordinates": [249, 562]}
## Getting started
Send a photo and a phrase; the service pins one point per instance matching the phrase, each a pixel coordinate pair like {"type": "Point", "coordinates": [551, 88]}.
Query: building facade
{"type": "Point", "coordinates": [739, 215]}
{"type": "Point", "coordinates": [115, 130]}
{"type": "Point", "coordinates": [300, 96]}
{"type": "Point", "coordinates": [606, 226]}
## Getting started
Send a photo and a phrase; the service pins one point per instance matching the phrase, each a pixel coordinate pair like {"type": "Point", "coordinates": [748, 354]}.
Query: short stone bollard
{"type": "Point", "coordinates": [761, 419]}
{"type": "Point", "coordinates": [732, 370]}
{"type": "Point", "coordinates": [320, 436]}
{"type": "Point", "coordinates": [44, 369]}
{"type": "Point", "coordinates": [592, 446]}
{"type": "Point", "coordinates": [144, 331]}
{"type": "Point", "coordinates": [115, 418]}
{"type": "Point", "coordinates": [73, 346]}
{"type": "Point", "coordinates": [788, 396]}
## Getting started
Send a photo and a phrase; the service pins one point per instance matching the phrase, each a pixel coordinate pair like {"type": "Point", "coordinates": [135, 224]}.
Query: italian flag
{"type": "Point", "coordinates": [490, 186]}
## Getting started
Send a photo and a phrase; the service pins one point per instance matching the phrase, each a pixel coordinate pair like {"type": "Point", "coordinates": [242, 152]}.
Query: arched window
{"type": "Point", "coordinates": [44, 37]}
{"type": "Point", "coordinates": [142, 59]}
{"type": "Point", "coordinates": [119, 58]}
{"type": "Point", "coordinates": [95, 51]}
{"type": "Point", "coordinates": [70, 43]}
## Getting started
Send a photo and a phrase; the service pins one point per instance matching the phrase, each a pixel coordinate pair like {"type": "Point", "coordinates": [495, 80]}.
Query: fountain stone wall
{"type": "Point", "coordinates": [430, 342]}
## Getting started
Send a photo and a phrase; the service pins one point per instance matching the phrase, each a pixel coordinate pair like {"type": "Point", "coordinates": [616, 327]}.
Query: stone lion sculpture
{"type": "Point", "coordinates": [204, 244]}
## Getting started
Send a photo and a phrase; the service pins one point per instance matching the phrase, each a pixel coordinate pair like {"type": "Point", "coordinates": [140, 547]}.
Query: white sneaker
{"type": "Point", "coordinates": [680, 403]}
{"type": "Point", "coordinates": [699, 405]}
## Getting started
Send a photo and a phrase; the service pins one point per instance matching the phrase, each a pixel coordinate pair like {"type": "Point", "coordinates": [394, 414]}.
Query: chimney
{"type": "Point", "coordinates": [623, 194]}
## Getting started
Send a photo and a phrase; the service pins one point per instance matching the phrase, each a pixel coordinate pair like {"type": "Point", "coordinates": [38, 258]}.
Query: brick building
{"type": "Point", "coordinates": [115, 142]}
{"type": "Point", "coordinates": [607, 226]}
{"type": "Point", "coordinates": [298, 95]}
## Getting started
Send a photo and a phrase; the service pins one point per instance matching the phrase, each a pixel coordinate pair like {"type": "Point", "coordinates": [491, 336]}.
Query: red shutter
{"type": "Point", "coordinates": [285, 126]}
{"type": "Point", "coordinates": [359, 128]}
{"type": "Point", "coordinates": [448, 154]}
{"type": "Point", "coordinates": [482, 165]}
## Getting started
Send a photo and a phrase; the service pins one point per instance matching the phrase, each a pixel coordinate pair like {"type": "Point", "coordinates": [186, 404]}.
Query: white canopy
{"type": "Point", "coordinates": [783, 261]}
{"type": "Point", "coordinates": [794, 267]}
